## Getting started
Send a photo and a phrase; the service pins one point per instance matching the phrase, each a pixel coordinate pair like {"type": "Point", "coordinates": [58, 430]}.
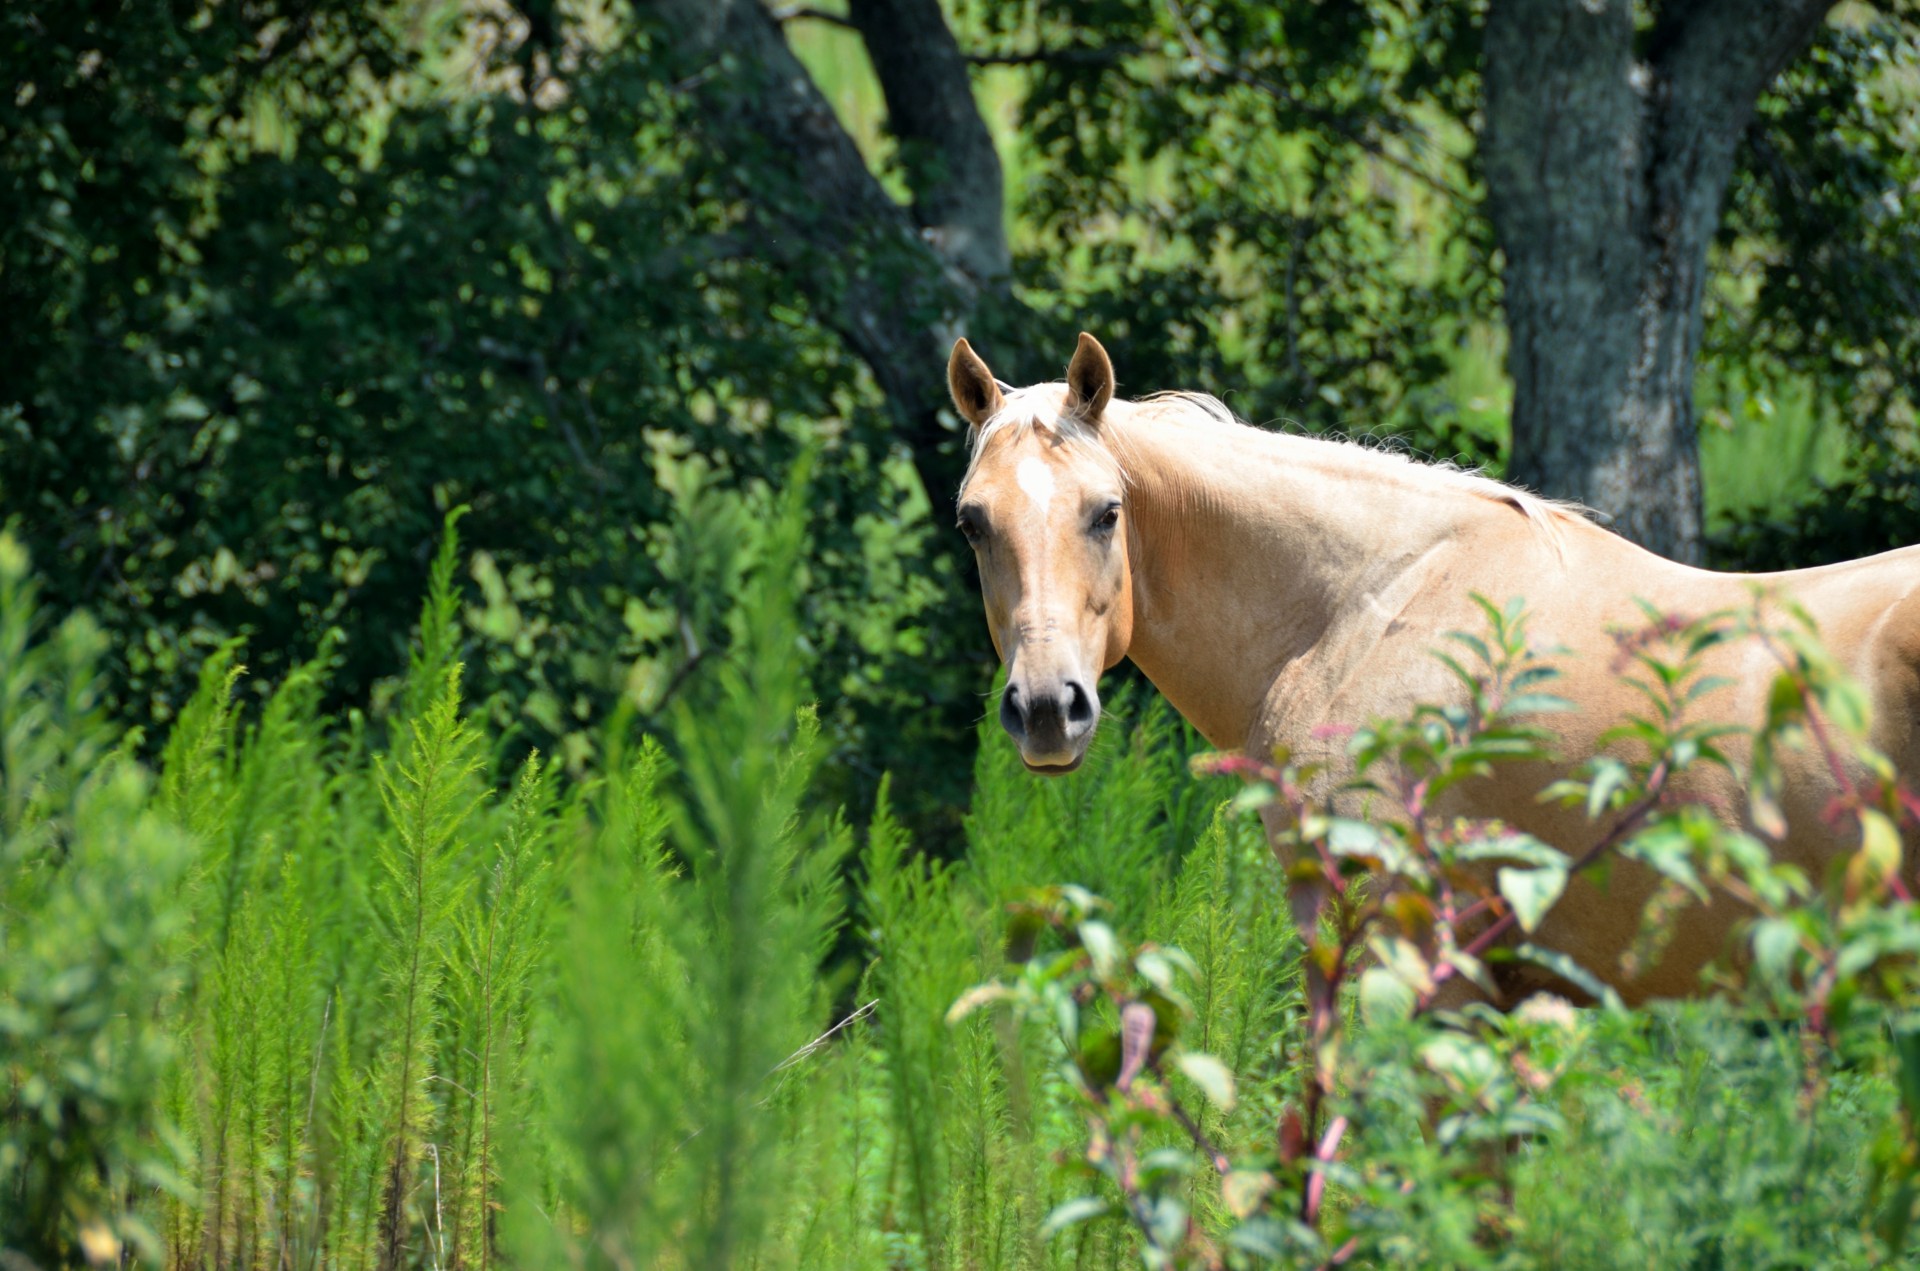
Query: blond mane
{"type": "Point", "coordinates": [1038, 407]}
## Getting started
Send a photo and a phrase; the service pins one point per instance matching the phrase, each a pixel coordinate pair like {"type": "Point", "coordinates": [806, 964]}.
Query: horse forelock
{"type": "Point", "coordinates": [1039, 408]}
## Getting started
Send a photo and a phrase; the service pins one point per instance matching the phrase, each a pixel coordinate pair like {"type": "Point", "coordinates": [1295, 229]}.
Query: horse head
{"type": "Point", "coordinates": [1044, 506]}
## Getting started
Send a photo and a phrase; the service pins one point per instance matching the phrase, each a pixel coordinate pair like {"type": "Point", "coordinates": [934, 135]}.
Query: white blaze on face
{"type": "Point", "coordinates": [1036, 478]}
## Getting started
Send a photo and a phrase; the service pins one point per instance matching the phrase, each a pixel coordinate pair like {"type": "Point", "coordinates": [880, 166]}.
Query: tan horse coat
{"type": "Point", "coordinates": [1269, 584]}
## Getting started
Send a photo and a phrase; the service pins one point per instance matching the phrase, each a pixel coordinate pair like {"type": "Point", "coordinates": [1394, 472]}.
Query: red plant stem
{"type": "Point", "coordinates": [1814, 722]}
{"type": "Point", "coordinates": [1317, 1178]}
{"type": "Point", "coordinates": [1656, 787]}
{"type": "Point", "coordinates": [1127, 1179]}
{"type": "Point", "coordinates": [1221, 1163]}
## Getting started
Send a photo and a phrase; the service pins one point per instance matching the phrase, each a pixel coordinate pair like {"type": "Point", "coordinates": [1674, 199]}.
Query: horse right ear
{"type": "Point", "coordinates": [976, 394]}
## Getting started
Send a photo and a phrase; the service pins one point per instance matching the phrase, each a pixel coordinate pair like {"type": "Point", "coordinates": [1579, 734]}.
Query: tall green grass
{"type": "Point", "coordinates": [370, 1001]}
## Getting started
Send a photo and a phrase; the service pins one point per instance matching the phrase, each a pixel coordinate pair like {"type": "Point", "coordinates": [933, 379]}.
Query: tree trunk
{"type": "Point", "coordinates": [1606, 168]}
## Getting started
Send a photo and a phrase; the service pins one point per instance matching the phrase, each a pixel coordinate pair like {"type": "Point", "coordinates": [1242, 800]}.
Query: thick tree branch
{"type": "Point", "coordinates": [1708, 63]}
{"type": "Point", "coordinates": [1722, 54]}
{"type": "Point", "coordinates": [945, 148]}
{"type": "Point", "coordinates": [815, 208]}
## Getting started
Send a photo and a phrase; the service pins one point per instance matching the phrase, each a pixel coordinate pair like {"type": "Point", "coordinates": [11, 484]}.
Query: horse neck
{"type": "Point", "coordinates": [1249, 548]}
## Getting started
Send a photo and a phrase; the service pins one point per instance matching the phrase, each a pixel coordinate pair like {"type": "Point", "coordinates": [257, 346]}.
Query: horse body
{"type": "Point", "coordinates": [1271, 585]}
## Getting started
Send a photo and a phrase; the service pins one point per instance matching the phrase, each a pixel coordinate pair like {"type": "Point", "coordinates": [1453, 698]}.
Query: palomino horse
{"type": "Point", "coordinates": [1271, 584]}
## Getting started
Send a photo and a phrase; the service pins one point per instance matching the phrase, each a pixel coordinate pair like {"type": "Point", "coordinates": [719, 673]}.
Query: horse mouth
{"type": "Point", "coordinates": [1053, 769]}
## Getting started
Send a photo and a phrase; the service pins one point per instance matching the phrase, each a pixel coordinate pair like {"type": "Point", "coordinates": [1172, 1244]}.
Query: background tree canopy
{"type": "Point", "coordinates": [285, 282]}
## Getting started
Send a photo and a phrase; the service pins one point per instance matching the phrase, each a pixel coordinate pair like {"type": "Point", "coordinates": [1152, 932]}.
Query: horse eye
{"type": "Point", "coordinates": [970, 527]}
{"type": "Point", "coordinates": [1104, 523]}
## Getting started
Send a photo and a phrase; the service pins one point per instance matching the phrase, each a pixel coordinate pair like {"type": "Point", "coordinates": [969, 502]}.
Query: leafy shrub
{"type": "Point", "coordinates": [87, 927]}
{"type": "Point", "coordinates": [1442, 1133]}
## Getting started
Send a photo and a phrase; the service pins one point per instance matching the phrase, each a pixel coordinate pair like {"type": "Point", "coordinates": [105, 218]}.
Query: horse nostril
{"type": "Point", "coordinates": [1080, 707]}
{"type": "Point", "coordinates": [1013, 716]}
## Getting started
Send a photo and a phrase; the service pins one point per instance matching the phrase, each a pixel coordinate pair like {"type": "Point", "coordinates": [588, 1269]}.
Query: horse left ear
{"type": "Point", "coordinates": [1089, 380]}
{"type": "Point", "coordinates": [976, 394]}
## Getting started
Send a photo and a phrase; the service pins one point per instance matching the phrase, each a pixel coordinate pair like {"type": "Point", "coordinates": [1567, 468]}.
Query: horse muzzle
{"type": "Point", "coordinates": [1051, 722]}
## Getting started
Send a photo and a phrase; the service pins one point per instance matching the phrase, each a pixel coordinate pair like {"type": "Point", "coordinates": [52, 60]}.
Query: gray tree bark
{"type": "Point", "coordinates": [924, 270]}
{"type": "Point", "coordinates": [946, 150]}
{"type": "Point", "coordinates": [1606, 167]}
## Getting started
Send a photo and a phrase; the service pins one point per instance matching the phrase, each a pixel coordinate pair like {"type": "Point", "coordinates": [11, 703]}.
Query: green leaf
{"type": "Point", "coordinates": [1609, 776]}
{"type": "Point", "coordinates": [1348, 837]}
{"type": "Point", "coordinates": [1512, 845]}
{"type": "Point", "coordinates": [1879, 843]}
{"type": "Point", "coordinates": [1102, 946]}
{"type": "Point", "coordinates": [1775, 942]}
{"type": "Point", "coordinates": [1536, 704]}
{"type": "Point", "coordinates": [1763, 805]}
{"type": "Point", "coordinates": [1474, 643]}
{"type": "Point", "coordinates": [1168, 1221]}
{"type": "Point", "coordinates": [1072, 1213]}
{"type": "Point", "coordinates": [1471, 967]}
{"type": "Point", "coordinates": [1534, 675]}
{"type": "Point", "coordinates": [1668, 849]}
{"type": "Point", "coordinates": [1570, 971]}
{"type": "Point", "coordinates": [1532, 892]}
{"type": "Point", "coordinates": [1252, 797]}
{"type": "Point", "coordinates": [1163, 1162]}
{"type": "Point", "coordinates": [1469, 1062]}
{"type": "Point", "coordinates": [1243, 1191]}
{"type": "Point", "coordinates": [1404, 960]}
{"type": "Point", "coordinates": [1783, 702]}
{"type": "Point", "coordinates": [1707, 684]}
{"type": "Point", "coordinates": [1214, 1078]}
{"type": "Point", "coordinates": [1155, 969]}
{"type": "Point", "coordinates": [1266, 1238]}
{"type": "Point", "coordinates": [1384, 996]}
{"type": "Point", "coordinates": [1460, 672]}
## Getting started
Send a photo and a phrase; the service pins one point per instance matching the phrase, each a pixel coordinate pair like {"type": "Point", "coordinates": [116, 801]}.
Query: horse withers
{"type": "Point", "coordinates": [1274, 585]}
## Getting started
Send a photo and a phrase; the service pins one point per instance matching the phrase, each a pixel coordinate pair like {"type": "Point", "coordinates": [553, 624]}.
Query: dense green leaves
{"type": "Point", "coordinates": [289, 286]}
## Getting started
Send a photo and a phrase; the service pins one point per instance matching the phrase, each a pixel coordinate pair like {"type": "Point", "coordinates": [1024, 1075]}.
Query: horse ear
{"type": "Point", "coordinates": [975, 392]}
{"type": "Point", "coordinates": [1089, 380]}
